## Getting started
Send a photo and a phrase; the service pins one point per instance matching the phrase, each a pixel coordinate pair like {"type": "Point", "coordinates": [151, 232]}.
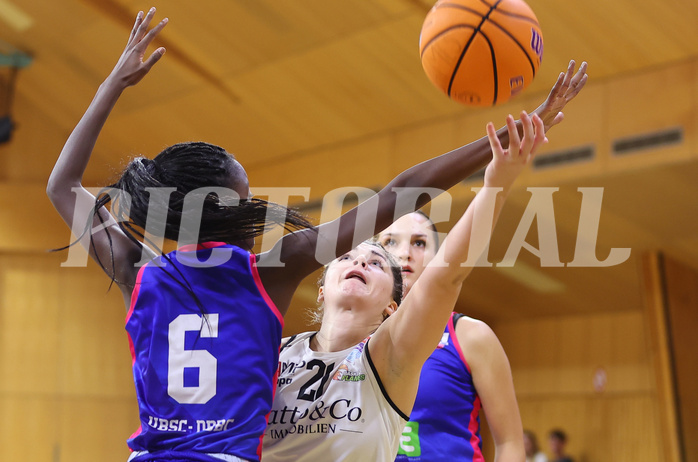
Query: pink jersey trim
{"type": "Point", "coordinates": [456, 343]}
{"type": "Point", "coordinates": [135, 434]}
{"type": "Point", "coordinates": [474, 428]}
{"type": "Point", "coordinates": [275, 381]}
{"type": "Point", "coordinates": [131, 348]}
{"type": "Point", "coordinates": [262, 290]}
{"type": "Point", "coordinates": [134, 297]}
{"type": "Point", "coordinates": [473, 425]}
{"type": "Point", "coordinates": [202, 245]}
{"type": "Point", "coordinates": [136, 291]}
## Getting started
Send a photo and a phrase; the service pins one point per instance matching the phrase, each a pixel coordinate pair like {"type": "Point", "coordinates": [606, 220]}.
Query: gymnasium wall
{"type": "Point", "coordinates": [66, 392]}
{"type": "Point", "coordinates": [591, 376]}
{"type": "Point", "coordinates": [680, 289]}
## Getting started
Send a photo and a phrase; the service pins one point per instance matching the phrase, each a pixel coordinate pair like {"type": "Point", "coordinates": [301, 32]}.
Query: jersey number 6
{"type": "Point", "coordinates": [180, 359]}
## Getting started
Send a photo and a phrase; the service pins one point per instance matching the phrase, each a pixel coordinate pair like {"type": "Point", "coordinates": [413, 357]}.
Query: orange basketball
{"type": "Point", "coordinates": [481, 52]}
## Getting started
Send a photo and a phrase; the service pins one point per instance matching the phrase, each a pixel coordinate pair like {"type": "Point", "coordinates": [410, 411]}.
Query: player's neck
{"type": "Point", "coordinates": [341, 331]}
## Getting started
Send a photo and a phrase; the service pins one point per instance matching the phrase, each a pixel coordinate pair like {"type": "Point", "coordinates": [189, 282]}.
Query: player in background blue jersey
{"type": "Point", "coordinates": [467, 371]}
{"type": "Point", "coordinates": [204, 337]}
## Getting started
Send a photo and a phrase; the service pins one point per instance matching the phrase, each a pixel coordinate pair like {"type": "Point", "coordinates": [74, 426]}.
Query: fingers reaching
{"type": "Point", "coordinates": [139, 18]}
{"type": "Point", "coordinates": [144, 24]}
{"type": "Point", "coordinates": [514, 139]}
{"type": "Point", "coordinates": [578, 81]}
{"type": "Point", "coordinates": [507, 164]}
{"type": "Point", "coordinates": [496, 146]}
{"type": "Point", "coordinates": [520, 148]}
{"type": "Point", "coordinates": [539, 137]}
{"type": "Point", "coordinates": [140, 36]}
{"type": "Point", "coordinates": [566, 79]}
{"type": "Point", "coordinates": [133, 65]}
{"type": "Point", "coordinates": [566, 88]}
{"type": "Point", "coordinates": [529, 134]}
{"type": "Point", "coordinates": [154, 32]}
{"type": "Point", "coordinates": [145, 42]}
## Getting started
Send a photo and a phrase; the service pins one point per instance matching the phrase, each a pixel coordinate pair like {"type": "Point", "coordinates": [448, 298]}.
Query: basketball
{"type": "Point", "coordinates": [481, 52]}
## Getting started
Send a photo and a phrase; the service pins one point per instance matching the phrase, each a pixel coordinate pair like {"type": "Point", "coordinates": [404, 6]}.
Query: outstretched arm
{"type": "Point", "coordinates": [305, 251]}
{"type": "Point", "coordinates": [407, 338]}
{"type": "Point", "coordinates": [65, 182]}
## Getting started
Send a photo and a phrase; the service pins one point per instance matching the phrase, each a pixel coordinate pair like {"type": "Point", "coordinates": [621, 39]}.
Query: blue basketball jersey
{"type": "Point", "coordinates": [204, 383]}
{"type": "Point", "coordinates": [444, 424]}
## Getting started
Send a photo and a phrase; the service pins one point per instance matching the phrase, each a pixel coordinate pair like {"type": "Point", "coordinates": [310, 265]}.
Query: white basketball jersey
{"type": "Point", "coordinates": [330, 407]}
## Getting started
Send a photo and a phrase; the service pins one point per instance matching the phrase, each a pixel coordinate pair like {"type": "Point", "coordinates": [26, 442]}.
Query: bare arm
{"type": "Point", "coordinates": [72, 201]}
{"type": "Point", "coordinates": [407, 338]}
{"type": "Point", "coordinates": [491, 375]}
{"type": "Point", "coordinates": [305, 251]}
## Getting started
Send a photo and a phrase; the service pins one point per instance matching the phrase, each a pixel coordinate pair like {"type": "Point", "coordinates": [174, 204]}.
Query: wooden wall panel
{"type": "Point", "coordinates": [29, 331]}
{"type": "Point", "coordinates": [29, 426]}
{"type": "Point", "coordinates": [692, 128]}
{"type": "Point", "coordinates": [66, 391]}
{"type": "Point", "coordinates": [96, 429]}
{"type": "Point", "coordinates": [660, 355]}
{"type": "Point", "coordinates": [599, 428]}
{"type": "Point", "coordinates": [554, 362]}
{"type": "Point", "coordinates": [27, 232]}
{"type": "Point", "coordinates": [682, 306]}
{"type": "Point", "coordinates": [94, 351]}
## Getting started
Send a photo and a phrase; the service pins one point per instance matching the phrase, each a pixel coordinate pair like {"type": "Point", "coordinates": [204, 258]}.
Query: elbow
{"type": "Point", "coordinates": [448, 284]}
{"type": "Point", "coordinates": [56, 188]}
{"type": "Point", "coordinates": [52, 188]}
{"type": "Point", "coordinates": [459, 279]}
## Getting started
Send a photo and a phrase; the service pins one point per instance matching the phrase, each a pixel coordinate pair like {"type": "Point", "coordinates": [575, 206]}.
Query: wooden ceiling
{"type": "Point", "coordinates": [273, 80]}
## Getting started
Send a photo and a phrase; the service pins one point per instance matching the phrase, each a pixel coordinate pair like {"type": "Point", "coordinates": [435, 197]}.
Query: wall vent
{"type": "Point", "coordinates": [563, 158]}
{"type": "Point", "coordinates": [648, 141]}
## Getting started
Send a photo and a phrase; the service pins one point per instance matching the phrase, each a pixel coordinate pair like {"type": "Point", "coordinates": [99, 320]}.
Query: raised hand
{"type": "Point", "coordinates": [132, 67]}
{"type": "Point", "coordinates": [568, 85]}
{"type": "Point", "coordinates": [508, 163]}
{"type": "Point", "coordinates": [65, 181]}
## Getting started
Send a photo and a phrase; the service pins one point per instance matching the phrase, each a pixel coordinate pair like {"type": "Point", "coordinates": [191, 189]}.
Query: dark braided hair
{"type": "Point", "coordinates": [183, 169]}
{"type": "Point", "coordinates": [197, 168]}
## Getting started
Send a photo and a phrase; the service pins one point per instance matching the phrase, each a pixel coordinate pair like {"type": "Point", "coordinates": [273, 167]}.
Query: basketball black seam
{"type": "Point", "coordinates": [487, 3]}
{"type": "Point", "coordinates": [494, 67]}
{"type": "Point", "coordinates": [467, 45]}
{"type": "Point", "coordinates": [523, 49]}
{"type": "Point", "coordinates": [450, 5]}
{"type": "Point", "coordinates": [455, 26]}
